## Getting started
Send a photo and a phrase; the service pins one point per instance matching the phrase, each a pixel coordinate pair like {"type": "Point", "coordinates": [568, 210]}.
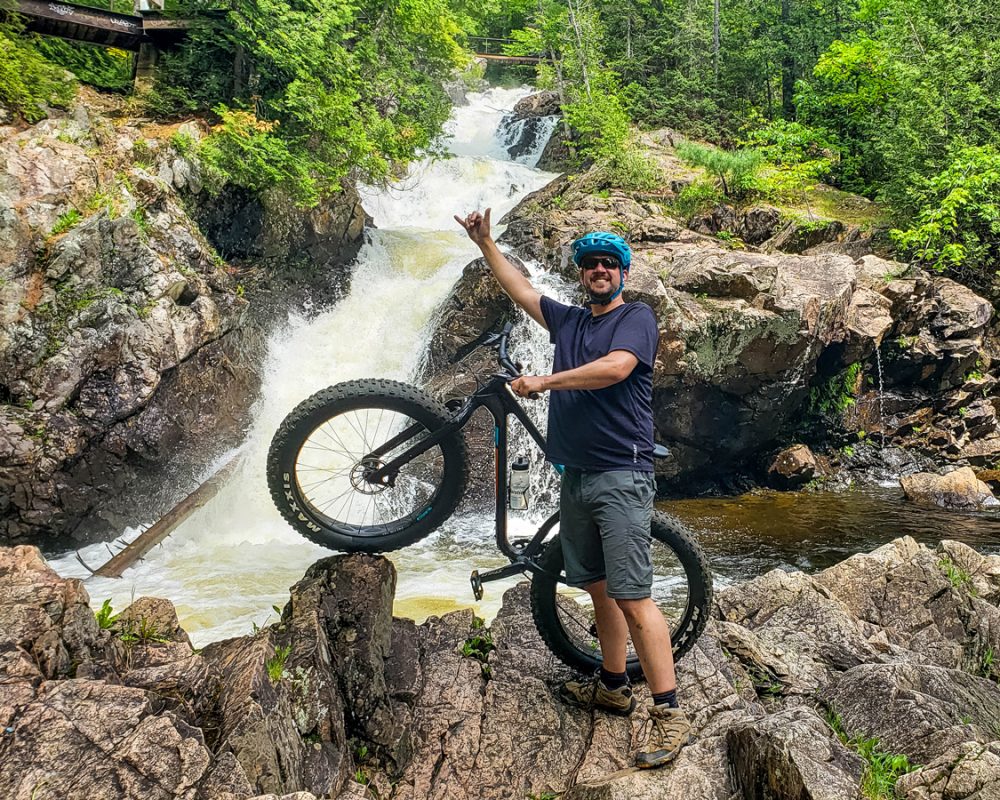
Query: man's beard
{"type": "Point", "coordinates": [600, 298]}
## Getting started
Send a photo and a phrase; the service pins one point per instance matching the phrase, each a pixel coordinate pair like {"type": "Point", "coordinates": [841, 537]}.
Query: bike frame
{"type": "Point", "coordinates": [497, 398]}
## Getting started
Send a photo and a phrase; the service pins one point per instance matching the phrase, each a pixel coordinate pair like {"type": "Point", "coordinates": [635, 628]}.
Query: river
{"type": "Point", "coordinates": [229, 565]}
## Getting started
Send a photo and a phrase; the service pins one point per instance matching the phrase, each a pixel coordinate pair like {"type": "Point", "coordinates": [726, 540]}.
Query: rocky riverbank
{"type": "Point", "coordinates": [890, 653]}
{"type": "Point", "coordinates": [126, 339]}
{"type": "Point", "coordinates": [777, 330]}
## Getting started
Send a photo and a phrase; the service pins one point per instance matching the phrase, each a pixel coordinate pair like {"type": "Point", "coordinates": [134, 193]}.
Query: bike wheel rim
{"type": "Point", "coordinates": [330, 464]}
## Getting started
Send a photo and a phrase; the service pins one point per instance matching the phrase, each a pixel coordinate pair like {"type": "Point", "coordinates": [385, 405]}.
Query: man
{"type": "Point", "coordinates": [601, 429]}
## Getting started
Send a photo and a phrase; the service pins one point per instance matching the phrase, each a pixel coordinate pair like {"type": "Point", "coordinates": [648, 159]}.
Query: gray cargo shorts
{"type": "Point", "coordinates": [604, 520]}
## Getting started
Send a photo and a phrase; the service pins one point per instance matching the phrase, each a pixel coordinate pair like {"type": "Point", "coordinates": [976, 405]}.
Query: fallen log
{"type": "Point", "coordinates": [159, 531]}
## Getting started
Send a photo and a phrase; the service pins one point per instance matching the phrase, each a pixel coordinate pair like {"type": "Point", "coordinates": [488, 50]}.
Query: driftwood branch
{"type": "Point", "coordinates": [156, 533]}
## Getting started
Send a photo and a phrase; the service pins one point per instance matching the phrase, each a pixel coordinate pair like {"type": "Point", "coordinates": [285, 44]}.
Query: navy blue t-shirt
{"type": "Point", "coordinates": [602, 429]}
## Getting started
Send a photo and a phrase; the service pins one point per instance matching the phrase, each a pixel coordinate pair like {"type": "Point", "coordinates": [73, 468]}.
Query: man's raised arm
{"type": "Point", "coordinates": [517, 286]}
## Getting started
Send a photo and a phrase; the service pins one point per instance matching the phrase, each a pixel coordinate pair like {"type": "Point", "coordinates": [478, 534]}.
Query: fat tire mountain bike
{"type": "Point", "coordinates": [375, 465]}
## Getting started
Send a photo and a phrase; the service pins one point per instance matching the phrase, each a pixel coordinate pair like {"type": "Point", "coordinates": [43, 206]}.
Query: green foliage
{"type": "Point", "coordinates": [882, 770]}
{"type": "Point", "coordinates": [28, 82]}
{"type": "Point", "coordinates": [696, 198]}
{"type": "Point", "coordinates": [139, 631]}
{"type": "Point", "coordinates": [105, 615]}
{"type": "Point", "coordinates": [275, 665]}
{"type": "Point", "coordinates": [66, 220]}
{"type": "Point", "coordinates": [958, 226]}
{"type": "Point", "coordinates": [183, 143]}
{"type": "Point", "coordinates": [244, 149]}
{"type": "Point", "coordinates": [795, 157]}
{"type": "Point", "coordinates": [836, 394]}
{"type": "Point", "coordinates": [988, 666]}
{"type": "Point", "coordinates": [736, 170]}
{"type": "Point", "coordinates": [479, 646]}
{"type": "Point", "coordinates": [594, 107]}
{"type": "Point", "coordinates": [103, 67]}
{"type": "Point", "coordinates": [958, 577]}
{"type": "Point", "coordinates": [308, 93]}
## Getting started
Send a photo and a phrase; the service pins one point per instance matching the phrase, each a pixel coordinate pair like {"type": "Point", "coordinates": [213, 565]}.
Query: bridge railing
{"type": "Point", "coordinates": [488, 44]}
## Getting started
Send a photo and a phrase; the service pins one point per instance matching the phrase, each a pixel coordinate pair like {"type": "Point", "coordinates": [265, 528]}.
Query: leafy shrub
{"type": "Point", "coordinates": [28, 82]}
{"type": "Point", "coordinates": [249, 153]}
{"type": "Point", "coordinates": [736, 170]}
{"type": "Point", "coordinates": [106, 68]}
{"type": "Point", "coordinates": [696, 198]}
{"type": "Point", "coordinates": [958, 226]}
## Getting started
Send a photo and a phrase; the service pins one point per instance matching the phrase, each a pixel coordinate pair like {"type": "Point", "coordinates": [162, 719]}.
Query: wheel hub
{"type": "Point", "coordinates": [361, 476]}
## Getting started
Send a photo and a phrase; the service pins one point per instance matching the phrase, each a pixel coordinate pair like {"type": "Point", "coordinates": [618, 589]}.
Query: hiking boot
{"type": "Point", "coordinates": [670, 731]}
{"type": "Point", "coordinates": [592, 693]}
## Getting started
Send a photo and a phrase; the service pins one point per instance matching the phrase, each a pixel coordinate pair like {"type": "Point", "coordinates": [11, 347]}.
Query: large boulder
{"type": "Point", "coordinates": [792, 754]}
{"type": "Point", "coordinates": [793, 466]}
{"type": "Point", "coordinates": [959, 489]}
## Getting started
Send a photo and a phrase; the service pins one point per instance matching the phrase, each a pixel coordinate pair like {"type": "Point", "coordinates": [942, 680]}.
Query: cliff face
{"type": "Point", "coordinates": [121, 326]}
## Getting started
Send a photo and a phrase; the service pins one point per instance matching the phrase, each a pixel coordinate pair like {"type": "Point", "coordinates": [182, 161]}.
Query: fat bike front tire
{"type": "Point", "coordinates": [682, 588]}
{"type": "Point", "coordinates": [323, 450]}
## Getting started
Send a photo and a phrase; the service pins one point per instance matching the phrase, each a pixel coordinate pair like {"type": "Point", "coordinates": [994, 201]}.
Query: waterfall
{"type": "Point", "coordinates": [525, 139]}
{"type": "Point", "coordinates": [231, 561]}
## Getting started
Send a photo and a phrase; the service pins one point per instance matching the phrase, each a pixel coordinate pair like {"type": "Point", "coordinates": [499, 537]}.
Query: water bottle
{"type": "Point", "coordinates": [517, 485]}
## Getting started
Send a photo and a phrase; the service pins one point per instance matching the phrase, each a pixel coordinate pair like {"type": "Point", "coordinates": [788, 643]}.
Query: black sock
{"type": "Point", "coordinates": [613, 680]}
{"type": "Point", "coordinates": [666, 698]}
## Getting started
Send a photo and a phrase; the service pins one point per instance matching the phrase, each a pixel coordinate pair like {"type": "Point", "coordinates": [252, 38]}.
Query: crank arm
{"type": "Point", "coordinates": [477, 579]}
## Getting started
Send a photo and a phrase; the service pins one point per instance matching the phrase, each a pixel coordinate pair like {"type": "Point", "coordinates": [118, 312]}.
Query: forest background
{"type": "Point", "coordinates": [896, 100]}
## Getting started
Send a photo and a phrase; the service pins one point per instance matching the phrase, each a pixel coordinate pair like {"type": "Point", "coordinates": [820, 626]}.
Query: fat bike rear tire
{"type": "Point", "coordinates": [321, 452]}
{"type": "Point", "coordinates": [682, 587]}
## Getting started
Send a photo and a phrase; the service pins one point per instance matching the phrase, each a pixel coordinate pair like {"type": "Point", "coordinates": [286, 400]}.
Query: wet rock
{"type": "Point", "coordinates": [792, 754]}
{"type": "Point", "coordinates": [98, 306]}
{"type": "Point", "coordinates": [957, 489]}
{"type": "Point", "coordinates": [540, 104]}
{"type": "Point", "coordinates": [792, 467]}
{"type": "Point", "coordinates": [558, 155]}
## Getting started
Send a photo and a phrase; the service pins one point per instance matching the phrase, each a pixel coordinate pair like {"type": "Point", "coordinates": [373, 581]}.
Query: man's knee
{"type": "Point", "coordinates": [633, 608]}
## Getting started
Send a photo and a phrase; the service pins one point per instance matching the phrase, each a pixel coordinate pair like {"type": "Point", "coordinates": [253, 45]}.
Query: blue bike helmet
{"type": "Point", "coordinates": [609, 244]}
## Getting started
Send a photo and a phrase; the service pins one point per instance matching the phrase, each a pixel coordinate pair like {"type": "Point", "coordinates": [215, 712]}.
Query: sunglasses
{"type": "Point", "coordinates": [609, 262]}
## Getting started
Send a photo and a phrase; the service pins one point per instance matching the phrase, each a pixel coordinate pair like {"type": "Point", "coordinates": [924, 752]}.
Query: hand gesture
{"type": "Point", "coordinates": [477, 226]}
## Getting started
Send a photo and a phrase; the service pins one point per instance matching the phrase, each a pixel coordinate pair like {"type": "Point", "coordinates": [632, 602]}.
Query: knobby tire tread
{"type": "Point", "coordinates": [329, 402]}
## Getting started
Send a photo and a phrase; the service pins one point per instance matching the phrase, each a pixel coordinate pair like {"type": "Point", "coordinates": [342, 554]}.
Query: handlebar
{"type": "Point", "coordinates": [510, 368]}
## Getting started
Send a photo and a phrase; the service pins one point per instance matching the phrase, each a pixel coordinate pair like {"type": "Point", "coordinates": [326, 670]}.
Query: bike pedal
{"type": "Point", "coordinates": [477, 585]}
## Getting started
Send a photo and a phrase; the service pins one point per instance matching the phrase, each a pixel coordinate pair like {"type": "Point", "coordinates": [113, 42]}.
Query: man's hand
{"type": "Point", "coordinates": [477, 226]}
{"type": "Point", "coordinates": [528, 385]}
